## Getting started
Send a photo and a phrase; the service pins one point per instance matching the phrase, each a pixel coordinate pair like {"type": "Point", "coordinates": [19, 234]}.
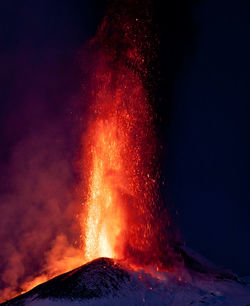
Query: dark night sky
{"type": "Point", "coordinates": [208, 164]}
{"type": "Point", "coordinates": [205, 91]}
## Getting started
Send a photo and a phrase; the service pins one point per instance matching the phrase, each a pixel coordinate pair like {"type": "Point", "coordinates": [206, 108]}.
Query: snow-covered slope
{"type": "Point", "coordinates": [106, 282]}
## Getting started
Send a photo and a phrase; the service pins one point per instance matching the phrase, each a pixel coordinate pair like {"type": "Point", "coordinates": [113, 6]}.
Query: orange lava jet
{"type": "Point", "coordinates": [119, 161]}
{"type": "Point", "coordinates": [121, 185]}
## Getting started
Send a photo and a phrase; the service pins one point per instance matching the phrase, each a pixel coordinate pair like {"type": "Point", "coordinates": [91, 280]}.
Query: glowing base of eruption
{"type": "Point", "coordinates": [105, 215]}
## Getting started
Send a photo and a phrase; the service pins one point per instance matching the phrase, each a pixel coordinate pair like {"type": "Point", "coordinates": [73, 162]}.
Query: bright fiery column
{"type": "Point", "coordinates": [119, 162]}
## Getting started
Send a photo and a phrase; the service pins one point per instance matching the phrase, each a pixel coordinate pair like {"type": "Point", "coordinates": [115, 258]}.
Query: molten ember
{"type": "Point", "coordinates": [119, 149]}
{"type": "Point", "coordinates": [119, 162]}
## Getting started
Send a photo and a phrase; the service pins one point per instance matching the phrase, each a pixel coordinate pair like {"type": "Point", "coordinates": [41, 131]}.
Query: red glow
{"type": "Point", "coordinates": [119, 148]}
{"type": "Point", "coordinates": [119, 162]}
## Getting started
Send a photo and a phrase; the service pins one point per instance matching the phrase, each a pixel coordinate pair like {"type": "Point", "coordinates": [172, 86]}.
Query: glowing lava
{"type": "Point", "coordinates": [120, 183]}
{"type": "Point", "coordinates": [120, 149]}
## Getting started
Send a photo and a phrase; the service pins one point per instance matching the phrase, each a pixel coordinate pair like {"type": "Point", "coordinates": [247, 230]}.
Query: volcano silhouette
{"type": "Point", "coordinates": [105, 281]}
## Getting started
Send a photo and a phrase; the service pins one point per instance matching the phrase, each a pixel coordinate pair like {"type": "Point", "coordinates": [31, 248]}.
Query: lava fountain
{"type": "Point", "coordinates": [121, 215]}
{"type": "Point", "coordinates": [120, 149]}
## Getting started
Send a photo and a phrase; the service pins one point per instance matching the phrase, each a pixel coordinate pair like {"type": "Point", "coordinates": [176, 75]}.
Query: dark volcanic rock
{"type": "Point", "coordinates": [99, 278]}
{"type": "Point", "coordinates": [105, 282]}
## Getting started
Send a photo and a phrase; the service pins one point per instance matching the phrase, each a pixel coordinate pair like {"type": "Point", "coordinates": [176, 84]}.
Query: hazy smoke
{"type": "Point", "coordinates": [39, 141]}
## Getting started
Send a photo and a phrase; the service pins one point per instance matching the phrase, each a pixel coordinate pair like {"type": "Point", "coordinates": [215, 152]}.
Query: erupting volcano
{"type": "Point", "coordinates": [129, 255]}
{"type": "Point", "coordinates": [120, 216]}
